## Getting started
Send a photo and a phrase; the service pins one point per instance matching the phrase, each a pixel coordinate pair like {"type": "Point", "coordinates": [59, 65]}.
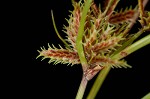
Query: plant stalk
{"type": "Point", "coordinates": [147, 96]}
{"type": "Point", "coordinates": [79, 45]}
{"type": "Point", "coordinates": [58, 32]}
{"type": "Point", "coordinates": [82, 88]}
{"type": "Point", "coordinates": [98, 82]}
{"type": "Point", "coordinates": [80, 50]}
{"type": "Point", "coordinates": [132, 48]}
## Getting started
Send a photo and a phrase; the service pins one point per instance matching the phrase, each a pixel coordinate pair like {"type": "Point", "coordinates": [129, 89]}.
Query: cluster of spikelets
{"type": "Point", "coordinates": [104, 33]}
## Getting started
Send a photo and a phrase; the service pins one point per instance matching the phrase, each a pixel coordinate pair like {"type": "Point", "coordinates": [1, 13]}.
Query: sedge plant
{"type": "Point", "coordinates": [99, 39]}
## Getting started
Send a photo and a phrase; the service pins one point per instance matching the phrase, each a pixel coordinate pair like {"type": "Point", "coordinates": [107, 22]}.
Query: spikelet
{"type": "Point", "coordinates": [103, 61]}
{"type": "Point", "coordinates": [107, 45]}
{"type": "Point", "coordinates": [146, 20]}
{"type": "Point", "coordinates": [122, 16]}
{"type": "Point", "coordinates": [107, 31]}
{"type": "Point", "coordinates": [96, 11]}
{"type": "Point", "coordinates": [90, 37]}
{"type": "Point", "coordinates": [64, 56]}
{"type": "Point", "coordinates": [73, 22]}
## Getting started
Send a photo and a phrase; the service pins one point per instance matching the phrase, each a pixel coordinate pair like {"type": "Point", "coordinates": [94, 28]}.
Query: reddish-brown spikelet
{"type": "Point", "coordinates": [74, 21]}
{"type": "Point", "coordinates": [121, 17]}
{"type": "Point", "coordinates": [105, 61]}
{"type": "Point", "coordinates": [60, 56]}
{"type": "Point", "coordinates": [105, 46]}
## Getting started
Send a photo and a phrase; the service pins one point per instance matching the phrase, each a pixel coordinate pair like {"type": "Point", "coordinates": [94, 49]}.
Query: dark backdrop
{"type": "Point", "coordinates": [38, 79]}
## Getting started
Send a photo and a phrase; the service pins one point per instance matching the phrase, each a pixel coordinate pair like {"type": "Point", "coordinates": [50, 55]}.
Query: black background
{"type": "Point", "coordinates": [32, 78]}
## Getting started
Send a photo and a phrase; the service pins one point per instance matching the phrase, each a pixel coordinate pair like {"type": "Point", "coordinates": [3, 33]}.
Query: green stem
{"type": "Point", "coordinates": [102, 75]}
{"type": "Point", "coordinates": [82, 88]}
{"type": "Point", "coordinates": [80, 36]}
{"type": "Point", "coordinates": [147, 96]}
{"type": "Point", "coordinates": [98, 82]}
{"type": "Point", "coordinates": [132, 48]}
{"type": "Point", "coordinates": [80, 50]}
{"type": "Point", "coordinates": [58, 32]}
{"type": "Point", "coordinates": [139, 44]}
{"type": "Point", "coordinates": [129, 42]}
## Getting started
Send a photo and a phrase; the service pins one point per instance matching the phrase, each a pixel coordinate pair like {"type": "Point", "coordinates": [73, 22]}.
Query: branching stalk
{"type": "Point", "coordinates": [80, 50]}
